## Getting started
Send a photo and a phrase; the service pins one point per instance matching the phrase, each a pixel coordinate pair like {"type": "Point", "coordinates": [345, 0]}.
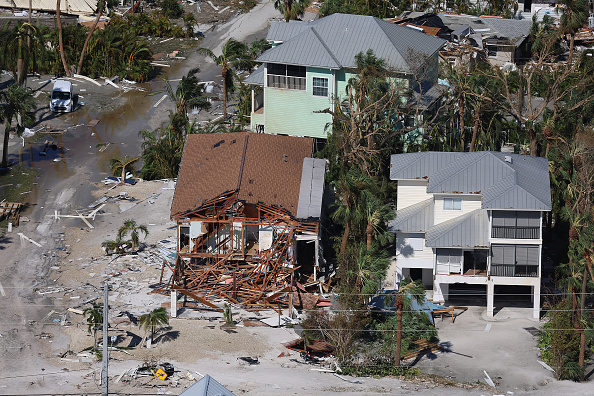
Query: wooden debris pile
{"type": "Point", "coordinates": [245, 253]}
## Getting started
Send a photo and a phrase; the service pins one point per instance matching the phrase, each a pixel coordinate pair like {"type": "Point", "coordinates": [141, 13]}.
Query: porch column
{"type": "Point", "coordinates": [536, 300]}
{"type": "Point", "coordinates": [490, 297]}
{"type": "Point", "coordinates": [317, 254]}
{"type": "Point", "coordinates": [174, 303]}
{"type": "Point", "coordinates": [441, 291]}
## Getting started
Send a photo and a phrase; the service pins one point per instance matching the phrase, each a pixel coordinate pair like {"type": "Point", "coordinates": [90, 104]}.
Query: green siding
{"type": "Point", "coordinates": [291, 112]}
{"type": "Point", "coordinates": [256, 119]}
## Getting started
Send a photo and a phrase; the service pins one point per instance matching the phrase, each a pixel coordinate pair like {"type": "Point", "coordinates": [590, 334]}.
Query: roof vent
{"type": "Point", "coordinates": [508, 158]}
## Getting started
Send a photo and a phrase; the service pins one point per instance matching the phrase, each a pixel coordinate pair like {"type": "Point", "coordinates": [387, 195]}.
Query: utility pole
{"type": "Point", "coordinates": [104, 388]}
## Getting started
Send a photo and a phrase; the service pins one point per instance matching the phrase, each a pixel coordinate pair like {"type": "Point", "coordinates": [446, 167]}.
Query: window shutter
{"type": "Point", "coordinates": [497, 254]}
{"type": "Point", "coordinates": [416, 243]}
{"type": "Point", "coordinates": [498, 219]}
{"type": "Point", "coordinates": [521, 255]}
{"type": "Point", "coordinates": [509, 219]}
{"type": "Point", "coordinates": [509, 254]}
{"type": "Point", "coordinates": [533, 254]}
{"type": "Point", "coordinates": [534, 219]}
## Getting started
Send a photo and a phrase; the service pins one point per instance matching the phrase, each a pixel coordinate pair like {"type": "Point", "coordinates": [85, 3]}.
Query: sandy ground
{"type": "Point", "coordinates": [41, 341]}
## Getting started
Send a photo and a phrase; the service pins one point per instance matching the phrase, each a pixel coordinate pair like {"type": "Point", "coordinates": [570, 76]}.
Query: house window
{"type": "Point", "coordinates": [449, 261]}
{"type": "Point", "coordinates": [452, 204]}
{"type": "Point", "coordinates": [286, 76]}
{"type": "Point", "coordinates": [514, 260]}
{"type": "Point", "coordinates": [515, 225]}
{"type": "Point", "coordinates": [320, 86]}
{"type": "Point", "coordinates": [416, 243]}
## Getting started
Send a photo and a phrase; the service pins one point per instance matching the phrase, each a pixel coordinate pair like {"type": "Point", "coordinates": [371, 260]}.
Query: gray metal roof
{"type": "Point", "coordinates": [332, 42]}
{"type": "Point", "coordinates": [468, 231]}
{"type": "Point", "coordinates": [311, 188]}
{"type": "Point", "coordinates": [520, 183]}
{"type": "Point", "coordinates": [257, 77]}
{"type": "Point", "coordinates": [207, 386]}
{"type": "Point", "coordinates": [415, 218]}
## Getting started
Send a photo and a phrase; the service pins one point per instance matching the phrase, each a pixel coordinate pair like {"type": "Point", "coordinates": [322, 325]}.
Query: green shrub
{"type": "Point", "coordinates": [171, 8]}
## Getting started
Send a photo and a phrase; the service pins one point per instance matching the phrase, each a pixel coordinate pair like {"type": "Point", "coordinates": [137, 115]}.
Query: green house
{"type": "Point", "coordinates": [310, 64]}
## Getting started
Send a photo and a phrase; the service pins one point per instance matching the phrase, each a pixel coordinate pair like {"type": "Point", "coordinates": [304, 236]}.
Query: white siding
{"type": "Point", "coordinates": [405, 252]}
{"type": "Point", "coordinates": [411, 192]}
{"type": "Point", "coordinates": [469, 203]}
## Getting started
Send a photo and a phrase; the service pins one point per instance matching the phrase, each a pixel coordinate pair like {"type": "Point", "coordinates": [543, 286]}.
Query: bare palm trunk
{"type": "Point", "coordinates": [84, 48]}
{"type": "Point", "coordinates": [582, 332]}
{"type": "Point", "coordinates": [462, 126]}
{"type": "Point", "coordinates": [5, 150]}
{"type": "Point", "coordinates": [475, 128]}
{"type": "Point", "coordinates": [60, 39]}
{"type": "Point", "coordinates": [399, 304]}
{"type": "Point", "coordinates": [369, 232]}
{"type": "Point", "coordinates": [224, 75]}
{"type": "Point", "coordinates": [345, 237]}
{"type": "Point", "coordinates": [571, 44]}
{"type": "Point", "coordinates": [533, 141]}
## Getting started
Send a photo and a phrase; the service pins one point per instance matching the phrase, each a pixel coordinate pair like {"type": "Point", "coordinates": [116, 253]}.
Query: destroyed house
{"type": "Point", "coordinates": [501, 40]}
{"type": "Point", "coordinates": [247, 208]}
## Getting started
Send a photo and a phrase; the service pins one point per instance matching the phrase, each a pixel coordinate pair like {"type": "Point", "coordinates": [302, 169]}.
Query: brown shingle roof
{"type": "Point", "coordinates": [211, 165]}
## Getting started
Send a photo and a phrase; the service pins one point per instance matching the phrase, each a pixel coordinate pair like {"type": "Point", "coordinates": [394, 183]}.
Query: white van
{"type": "Point", "coordinates": [62, 99]}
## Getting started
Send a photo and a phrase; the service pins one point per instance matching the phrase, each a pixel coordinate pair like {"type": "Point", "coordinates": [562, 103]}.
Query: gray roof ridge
{"type": "Point", "coordinates": [381, 26]}
{"type": "Point", "coordinates": [516, 185]}
{"type": "Point", "coordinates": [444, 174]}
{"type": "Point", "coordinates": [325, 46]}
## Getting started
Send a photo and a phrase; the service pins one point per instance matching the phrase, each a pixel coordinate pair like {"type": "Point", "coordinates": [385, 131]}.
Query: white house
{"type": "Point", "coordinates": [471, 218]}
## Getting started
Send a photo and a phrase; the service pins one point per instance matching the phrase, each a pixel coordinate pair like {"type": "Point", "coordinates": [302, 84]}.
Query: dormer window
{"type": "Point", "coordinates": [452, 204]}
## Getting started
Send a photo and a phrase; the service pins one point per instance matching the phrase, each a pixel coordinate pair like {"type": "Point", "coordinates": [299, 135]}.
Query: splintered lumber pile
{"type": "Point", "coordinates": [223, 262]}
{"type": "Point", "coordinates": [11, 210]}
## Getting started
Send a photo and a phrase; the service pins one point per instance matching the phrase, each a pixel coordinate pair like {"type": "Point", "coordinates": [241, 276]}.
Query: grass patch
{"type": "Point", "coordinates": [15, 183]}
{"type": "Point", "coordinates": [379, 370]}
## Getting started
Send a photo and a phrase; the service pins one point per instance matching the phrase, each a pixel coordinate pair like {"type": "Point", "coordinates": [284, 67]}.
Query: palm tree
{"type": "Point", "coordinates": [189, 23]}
{"type": "Point", "coordinates": [100, 6]}
{"type": "Point", "coordinates": [154, 320]}
{"type": "Point", "coordinates": [25, 30]}
{"type": "Point", "coordinates": [114, 247]}
{"type": "Point", "coordinates": [291, 9]}
{"type": "Point", "coordinates": [575, 15]}
{"type": "Point", "coordinates": [134, 229]}
{"type": "Point", "coordinates": [234, 55]}
{"type": "Point", "coordinates": [350, 188]}
{"type": "Point", "coordinates": [94, 317]}
{"type": "Point", "coordinates": [61, 39]}
{"type": "Point", "coordinates": [188, 93]}
{"type": "Point", "coordinates": [377, 215]}
{"type": "Point", "coordinates": [122, 164]}
{"type": "Point", "coordinates": [16, 102]}
{"type": "Point", "coordinates": [370, 268]}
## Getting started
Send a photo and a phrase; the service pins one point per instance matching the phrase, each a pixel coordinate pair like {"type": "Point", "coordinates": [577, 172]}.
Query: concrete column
{"type": "Point", "coordinates": [174, 303]}
{"type": "Point", "coordinates": [490, 297]}
{"type": "Point", "coordinates": [317, 255]}
{"type": "Point", "coordinates": [536, 300]}
{"type": "Point", "coordinates": [441, 291]}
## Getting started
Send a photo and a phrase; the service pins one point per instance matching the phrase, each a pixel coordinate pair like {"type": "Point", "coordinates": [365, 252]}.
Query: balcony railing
{"type": "Point", "coordinates": [287, 82]}
{"type": "Point", "coordinates": [514, 270]}
{"type": "Point", "coordinates": [515, 232]}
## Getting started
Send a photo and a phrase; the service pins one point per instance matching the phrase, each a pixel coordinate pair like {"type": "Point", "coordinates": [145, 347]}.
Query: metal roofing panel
{"type": "Point", "coordinates": [311, 188]}
{"type": "Point", "coordinates": [283, 31]}
{"type": "Point", "coordinates": [415, 218]}
{"type": "Point", "coordinates": [257, 77]}
{"type": "Point", "coordinates": [506, 181]}
{"type": "Point", "coordinates": [207, 386]}
{"type": "Point", "coordinates": [342, 36]}
{"type": "Point", "coordinates": [468, 231]}
{"type": "Point", "coordinates": [74, 7]}
{"type": "Point", "coordinates": [515, 30]}
{"type": "Point", "coordinates": [305, 49]}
